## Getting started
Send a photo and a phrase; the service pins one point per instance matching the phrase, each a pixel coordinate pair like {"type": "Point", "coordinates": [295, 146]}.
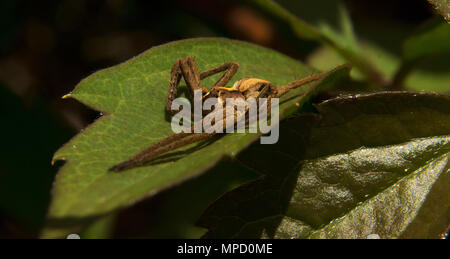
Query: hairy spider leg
{"type": "Point", "coordinates": [230, 69]}
{"type": "Point", "coordinates": [175, 77]}
{"type": "Point", "coordinates": [165, 145]}
{"type": "Point", "coordinates": [188, 69]}
{"type": "Point", "coordinates": [281, 90]}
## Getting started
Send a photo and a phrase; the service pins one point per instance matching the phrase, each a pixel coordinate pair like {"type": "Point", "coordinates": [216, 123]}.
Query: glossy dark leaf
{"type": "Point", "coordinates": [365, 165]}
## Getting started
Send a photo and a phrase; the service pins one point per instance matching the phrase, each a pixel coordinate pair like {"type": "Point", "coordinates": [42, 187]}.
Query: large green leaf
{"type": "Point", "coordinates": [132, 97]}
{"type": "Point", "coordinates": [365, 165]}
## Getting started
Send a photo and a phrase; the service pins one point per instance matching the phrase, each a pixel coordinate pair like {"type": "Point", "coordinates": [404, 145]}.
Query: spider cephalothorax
{"type": "Point", "coordinates": [243, 89]}
{"type": "Point", "coordinates": [247, 88]}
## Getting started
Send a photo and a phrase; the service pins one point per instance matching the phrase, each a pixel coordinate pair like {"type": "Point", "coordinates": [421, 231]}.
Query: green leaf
{"type": "Point", "coordinates": [101, 229]}
{"type": "Point", "coordinates": [132, 97]}
{"type": "Point", "coordinates": [328, 17]}
{"type": "Point", "coordinates": [425, 59]}
{"type": "Point", "coordinates": [365, 165]}
{"type": "Point", "coordinates": [432, 75]}
{"type": "Point", "coordinates": [325, 20]}
{"type": "Point", "coordinates": [328, 22]}
{"type": "Point", "coordinates": [384, 61]}
{"type": "Point", "coordinates": [433, 38]}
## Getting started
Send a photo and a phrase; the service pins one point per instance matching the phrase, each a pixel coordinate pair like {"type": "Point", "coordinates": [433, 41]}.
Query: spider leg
{"type": "Point", "coordinates": [266, 88]}
{"type": "Point", "coordinates": [186, 68]}
{"type": "Point", "coordinates": [269, 106]}
{"type": "Point", "coordinates": [281, 90]}
{"type": "Point", "coordinates": [230, 69]}
{"type": "Point", "coordinates": [189, 139]}
{"type": "Point", "coordinates": [163, 146]}
{"type": "Point", "coordinates": [175, 77]}
{"type": "Point", "coordinates": [167, 144]}
{"type": "Point", "coordinates": [137, 159]}
{"type": "Point", "coordinates": [191, 75]}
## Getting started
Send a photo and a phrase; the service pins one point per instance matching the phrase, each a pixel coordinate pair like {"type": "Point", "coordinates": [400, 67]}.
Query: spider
{"type": "Point", "coordinates": [244, 88]}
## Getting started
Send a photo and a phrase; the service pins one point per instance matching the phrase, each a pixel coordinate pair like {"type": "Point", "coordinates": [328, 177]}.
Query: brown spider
{"type": "Point", "coordinates": [244, 88]}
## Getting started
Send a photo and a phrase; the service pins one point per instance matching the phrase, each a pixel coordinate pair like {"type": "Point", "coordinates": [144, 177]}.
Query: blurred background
{"type": "Point", "coordinates": [47, 47]}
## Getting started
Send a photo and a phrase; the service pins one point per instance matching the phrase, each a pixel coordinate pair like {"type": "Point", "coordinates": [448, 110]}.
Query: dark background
{"type": "Point", "coordinates": [47, 47]}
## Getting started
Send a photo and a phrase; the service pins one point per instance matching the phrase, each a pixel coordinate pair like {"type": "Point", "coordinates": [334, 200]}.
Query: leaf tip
{"type": "Point", "coordinates": [66, 96]}
{"type": "Point", "coordinates": [57, 158]}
